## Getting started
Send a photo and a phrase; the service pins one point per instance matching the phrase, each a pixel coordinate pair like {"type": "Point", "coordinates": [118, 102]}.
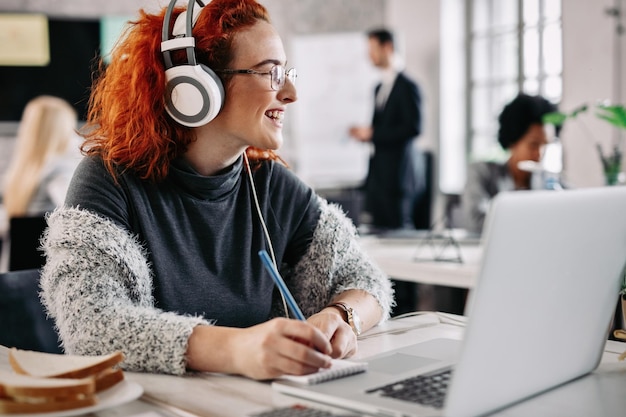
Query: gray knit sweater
{"type": "Point", "coordinates": [99, 286]}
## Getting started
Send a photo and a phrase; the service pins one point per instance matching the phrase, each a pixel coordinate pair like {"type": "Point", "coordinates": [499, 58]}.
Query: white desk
{"type": "Point", "coordinates": [598, 394]}
{"type": "Point", "coordinates": [412, 260]}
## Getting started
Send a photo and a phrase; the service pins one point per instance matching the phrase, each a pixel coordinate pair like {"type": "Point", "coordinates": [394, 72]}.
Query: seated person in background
{"type": "Point", "coordinates": [155, 250]}
{"type": "Point", "coordinates": [45, 157]}
{"type": "Point", "coordinates": [522, 133]}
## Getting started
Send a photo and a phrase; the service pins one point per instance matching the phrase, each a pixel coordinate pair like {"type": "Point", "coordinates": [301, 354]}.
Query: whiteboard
{"type": "Point", "coordinates": [335, 85]}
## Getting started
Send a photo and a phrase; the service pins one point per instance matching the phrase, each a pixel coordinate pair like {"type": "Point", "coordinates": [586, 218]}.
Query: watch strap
{"type": "Point", "coordinates": [350, 319]}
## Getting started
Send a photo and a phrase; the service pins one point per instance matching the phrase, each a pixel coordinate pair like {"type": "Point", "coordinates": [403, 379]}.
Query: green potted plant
{"type": "Point", "coordinates": [613, 114]}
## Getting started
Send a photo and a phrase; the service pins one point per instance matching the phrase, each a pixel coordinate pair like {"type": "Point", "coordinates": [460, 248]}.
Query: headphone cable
{"type": "Point", "coordinates": [263, 225]}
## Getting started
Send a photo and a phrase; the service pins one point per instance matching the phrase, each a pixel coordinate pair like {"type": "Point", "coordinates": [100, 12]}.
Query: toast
{"type": "Point", "coordinates": [29, 394]}
{"type": "Point", "coordinates": [51, 365]}
{"type": "Point", "coordinates": [45, 382]}
{"type": "Point", "coordinates": [108, 378]}
{"type": "Point", "coordinates": [14, 407]}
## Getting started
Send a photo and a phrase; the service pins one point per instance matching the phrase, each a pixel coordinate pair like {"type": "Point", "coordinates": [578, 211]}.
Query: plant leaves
{"type": "Point", "coordinates": [557, 118]}
{"type": "Point", "coordinates": [554, 118]}
{"type": "Point", "coordinates": [615, 114]}
{"type": "Point", "coordinates": [581, 109]}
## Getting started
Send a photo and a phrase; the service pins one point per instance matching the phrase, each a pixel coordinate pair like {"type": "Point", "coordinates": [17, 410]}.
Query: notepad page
{"type": "Point", "coordinates": [338, 369]}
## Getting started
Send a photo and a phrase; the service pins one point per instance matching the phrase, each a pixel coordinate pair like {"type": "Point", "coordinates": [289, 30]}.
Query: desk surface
{"type": "Point", "coordinates": [414, 260]}
{"type": "Point", "coordinates": [600, 393]}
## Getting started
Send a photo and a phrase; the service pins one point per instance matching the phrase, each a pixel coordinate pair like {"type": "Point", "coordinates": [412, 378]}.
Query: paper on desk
{"type": "Point", "coordinates": [393, 326]}
{"type": "Point", "coordinates": [338, 369]}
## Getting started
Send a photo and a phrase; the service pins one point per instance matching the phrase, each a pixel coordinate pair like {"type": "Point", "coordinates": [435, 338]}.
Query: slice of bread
{"type": "Point", "coordinates": [13, 385]}
{"type": "Point", "coordinates": [14, 407]}
{"type": "Point", "coordinates": [51, 365]}
{"type": "Point", "coordinates": [107, 378]}
{"type": "Point", "coordinates": [29, 394]}
{"type": "Point", "coordinates": [46, 382]}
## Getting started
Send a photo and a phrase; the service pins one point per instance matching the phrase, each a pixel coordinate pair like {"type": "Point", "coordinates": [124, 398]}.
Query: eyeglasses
{"type": "Point", "coordinates": [278, 75]}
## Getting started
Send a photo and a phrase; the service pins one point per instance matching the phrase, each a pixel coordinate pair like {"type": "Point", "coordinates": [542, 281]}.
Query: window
{"type": "Point", "coordinates": [491, 50]}
{"type": "Point", "coordinates": [515, 45]}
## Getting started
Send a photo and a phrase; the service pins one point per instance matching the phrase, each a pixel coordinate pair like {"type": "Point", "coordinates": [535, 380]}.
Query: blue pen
{"type": "Point", "coordinates": [291, 303]}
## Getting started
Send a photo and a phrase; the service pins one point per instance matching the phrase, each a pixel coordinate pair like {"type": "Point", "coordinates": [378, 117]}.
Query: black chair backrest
{"type": "Point", "coordinates": [424, 171]}
{"type": "Point", "coordinates": [24, 235]}
{"type": "Point", "coordinates": [23, 320]}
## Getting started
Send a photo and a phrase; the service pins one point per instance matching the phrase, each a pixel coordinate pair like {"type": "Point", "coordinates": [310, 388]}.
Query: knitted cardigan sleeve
{"type": "Point", "coordinates": [334, 262]}
{"type": "Point", "coordinates": [97, 285]}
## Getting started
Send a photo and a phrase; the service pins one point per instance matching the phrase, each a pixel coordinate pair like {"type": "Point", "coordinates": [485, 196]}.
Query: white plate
{"type": "Point", "coordinates": [121, 393]}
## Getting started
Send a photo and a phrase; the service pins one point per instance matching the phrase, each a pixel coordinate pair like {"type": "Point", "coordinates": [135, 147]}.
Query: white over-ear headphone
{"type": "Point", "coordinates": [194, 94]}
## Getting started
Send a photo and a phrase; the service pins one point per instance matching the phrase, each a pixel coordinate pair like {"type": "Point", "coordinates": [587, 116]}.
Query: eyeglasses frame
{"type": "Point", "coordinates": [290, 74]}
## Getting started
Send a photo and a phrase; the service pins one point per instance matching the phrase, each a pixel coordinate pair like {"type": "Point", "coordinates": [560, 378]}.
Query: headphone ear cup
{"type": "Point", "coordinates": [194, 94]}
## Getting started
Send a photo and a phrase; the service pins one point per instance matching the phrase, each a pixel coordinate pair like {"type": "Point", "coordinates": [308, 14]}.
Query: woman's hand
{"type": "Point", "coordinates": [282, 346]}
{"type": "Point", "coordinates": [342, 338]}
{"type": "Point", "coordinates": [268, 350]}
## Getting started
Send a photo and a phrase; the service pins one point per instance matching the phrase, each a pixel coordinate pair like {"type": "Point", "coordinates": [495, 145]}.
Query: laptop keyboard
{"type": "Point", "coordinates": [300, 411]}
{"type": "Point", "coordinates": [427, 389]}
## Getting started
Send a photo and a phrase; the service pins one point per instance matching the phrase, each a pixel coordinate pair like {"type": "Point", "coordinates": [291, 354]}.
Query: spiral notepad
{"type": "Point", "coordinates": [338, 369]}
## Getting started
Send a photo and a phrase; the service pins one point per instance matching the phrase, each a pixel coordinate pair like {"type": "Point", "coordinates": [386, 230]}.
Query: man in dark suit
{"type": "Point", "coordinates": [393, 182]}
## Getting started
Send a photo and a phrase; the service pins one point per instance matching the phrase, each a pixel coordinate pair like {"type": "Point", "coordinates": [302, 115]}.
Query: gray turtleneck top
{"type": "Point", "coordinates": [135, 265]}
{"type": "Point", "coordinates": [203, 234]}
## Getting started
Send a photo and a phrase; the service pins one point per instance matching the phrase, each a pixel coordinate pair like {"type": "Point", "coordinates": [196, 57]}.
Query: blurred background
{"type": "Point", "coordinates": [469, 57]}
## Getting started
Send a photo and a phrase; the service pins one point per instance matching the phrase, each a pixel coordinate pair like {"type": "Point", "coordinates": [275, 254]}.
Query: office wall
{"type": "Point", "coordinates": [297, 16]}
{"type": "Point", "coordinates": [594, 62]}
{"type": "Point", "coordinates": [417, 22]}
{"type": "Point", "coordinates": [72, 47]}
{"type": "Point", "coordinates": [79, 8]}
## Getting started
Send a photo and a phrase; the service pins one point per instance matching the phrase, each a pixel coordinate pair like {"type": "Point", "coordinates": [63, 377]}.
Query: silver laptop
{"type": "Point", "coordinates": [538, 317]}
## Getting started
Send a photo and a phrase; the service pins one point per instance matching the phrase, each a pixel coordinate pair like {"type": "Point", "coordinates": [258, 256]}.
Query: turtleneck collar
{"type": "Point", "coordinates": [212, 187]}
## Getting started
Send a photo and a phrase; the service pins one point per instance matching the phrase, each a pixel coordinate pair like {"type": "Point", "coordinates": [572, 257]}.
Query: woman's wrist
{"type": "Point", "coordinates": [362, 304]}
{"type": "Point", "coordinates": [349, 315]}
{"type": "Point", "coordinates": [211, 349]}
{"type": "Point", "coordinates": [332, 309]}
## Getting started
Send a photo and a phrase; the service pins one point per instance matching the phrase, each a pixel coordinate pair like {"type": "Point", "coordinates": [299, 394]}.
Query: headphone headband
{"type": "Point", "coordinates": [194, 93]}
{"type": "Point", "coordinates": [172, 41]}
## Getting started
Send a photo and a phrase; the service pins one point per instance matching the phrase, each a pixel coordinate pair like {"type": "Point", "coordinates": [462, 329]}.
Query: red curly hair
{"type": "Point", "coordinates": [127, 124]}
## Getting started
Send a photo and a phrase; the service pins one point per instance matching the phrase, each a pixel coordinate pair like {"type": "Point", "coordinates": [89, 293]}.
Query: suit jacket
{"type": "Point", "coordinates": [392, 184]}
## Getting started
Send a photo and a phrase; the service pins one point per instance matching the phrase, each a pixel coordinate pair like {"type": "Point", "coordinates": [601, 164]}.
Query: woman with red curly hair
{"type": "Point", "coordinates": [155, 251]}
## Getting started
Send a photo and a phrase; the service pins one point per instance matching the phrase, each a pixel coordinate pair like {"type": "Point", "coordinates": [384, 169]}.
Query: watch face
{"type": "Point", "coordinates": [356, 322]}
{"type": "Point", "coordinates": [352, 317]}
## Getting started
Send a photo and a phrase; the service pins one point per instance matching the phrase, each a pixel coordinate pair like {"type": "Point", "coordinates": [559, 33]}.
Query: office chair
{"type": "Point", "coordinates": [422, 209]}
{"type": "Point", "coordinates": [24, 235]}
{"type": "Point", "coordinates": [23, 320]}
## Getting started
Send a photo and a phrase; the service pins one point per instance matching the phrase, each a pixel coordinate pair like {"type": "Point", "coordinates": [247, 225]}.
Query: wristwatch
{"type": "Point", "coordinates": [352, 318]}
